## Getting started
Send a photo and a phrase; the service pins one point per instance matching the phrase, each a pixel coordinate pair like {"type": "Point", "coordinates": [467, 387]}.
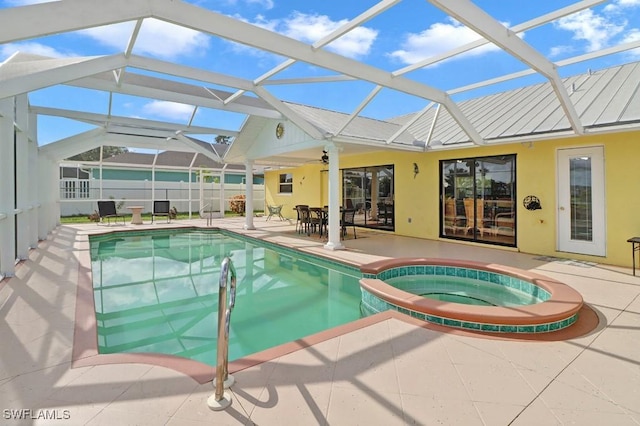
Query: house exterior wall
{"type": "Point", "coordinates": [309, 187]}
{"type": "Point", "coordinates": [417, 198]}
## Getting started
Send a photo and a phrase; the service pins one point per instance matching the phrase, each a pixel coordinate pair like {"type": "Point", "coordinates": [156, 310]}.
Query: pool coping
{"type": "Point", "coordinates": [85, 344]}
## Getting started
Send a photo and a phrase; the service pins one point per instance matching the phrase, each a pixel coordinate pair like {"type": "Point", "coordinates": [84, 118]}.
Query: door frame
{"type": "Point", "coordinates": [597, 246]}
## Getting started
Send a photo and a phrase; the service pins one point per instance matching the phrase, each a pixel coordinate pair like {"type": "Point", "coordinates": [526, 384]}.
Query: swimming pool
{"type": "Point", "coordinates": [157, 292]}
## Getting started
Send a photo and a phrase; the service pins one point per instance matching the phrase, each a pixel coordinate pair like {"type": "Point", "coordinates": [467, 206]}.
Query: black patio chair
{"type": "Point", "coordinates": [161, 208]}
{"type": "Point", "coordinates": [348, 219]}
{"type": "Point", "coordinates": [302, 220]}
{"type": "Point", "coordinates": [107, 210]}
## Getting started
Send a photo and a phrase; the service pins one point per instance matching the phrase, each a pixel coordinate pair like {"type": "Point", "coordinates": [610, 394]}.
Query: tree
{"type": "Point", "coordinates": [226, 140]}
{"type": "Point", "coordinates": [94, 154]}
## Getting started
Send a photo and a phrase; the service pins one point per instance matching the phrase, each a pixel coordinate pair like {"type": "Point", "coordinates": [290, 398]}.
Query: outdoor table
{"type": "Point", "coordinates": [635, 246]}
{"type": "Point", "coordinates": [136, 214]}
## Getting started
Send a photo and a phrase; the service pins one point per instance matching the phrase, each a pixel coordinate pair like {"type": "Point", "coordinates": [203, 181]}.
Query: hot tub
{"type": "Point", "coordinates": [549, 305]}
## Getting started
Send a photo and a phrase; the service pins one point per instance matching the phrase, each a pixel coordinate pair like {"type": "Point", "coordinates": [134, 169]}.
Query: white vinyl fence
{"type": "Point", "coordinates": [80, 196]}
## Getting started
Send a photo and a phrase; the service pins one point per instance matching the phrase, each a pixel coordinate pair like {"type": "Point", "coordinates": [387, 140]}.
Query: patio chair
{"type": "Point", "coordinates": [348, 203]}
{"type": "Point", "coordinates": [453, 221]}
{"type": "Point", "coordinates": [107, 210]}
{"type": "Point", "coordinates": [161, 208]}
{"type": "Point", "coordinates": [275, 211]}
{"type": "Point", "coordinates": [475, 218]}
{"type": "Point", "coordinates": [348, 219]}
{"type": "Point", "coordinates": [385, 212]}
{"type": "Point", "coordinates": [304, 218]}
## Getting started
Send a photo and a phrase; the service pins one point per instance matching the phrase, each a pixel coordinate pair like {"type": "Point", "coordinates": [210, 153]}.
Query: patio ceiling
{"type": "Point", "coordinates": [255, 98]}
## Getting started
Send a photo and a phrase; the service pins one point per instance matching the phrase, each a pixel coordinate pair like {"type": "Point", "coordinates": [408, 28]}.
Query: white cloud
{"type": "Point", "coordinates": [631, 36]}
{"type": "Point", "coordinates": [7, 50]}
{"type": "Point", "coordinates": [618, 5]}
{"type": "Point", "coordinates": [267, 4]}
{"type": "Point", "coordinates": [157, 38]}
{"type": "Point", "coordinates": [439, 38]}
{"type": "Point", "coordinates": [165, 109]}
{"type": "Point", "coordinates": [311, 28]}
{"type": "Point", "coordinates": [596, 30]}
{"type": "Point", "coordinates": [557, 51]}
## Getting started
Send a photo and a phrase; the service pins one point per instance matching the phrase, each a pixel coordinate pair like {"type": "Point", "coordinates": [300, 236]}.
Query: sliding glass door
{"type": "Point", "coordinates": [369, 190]}
{"type": "Point", "coordinates": [478, 199]}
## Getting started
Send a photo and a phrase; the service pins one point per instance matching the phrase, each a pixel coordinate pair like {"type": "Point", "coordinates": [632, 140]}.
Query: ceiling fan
{"type": "Point", "coordinates": [324, 159]}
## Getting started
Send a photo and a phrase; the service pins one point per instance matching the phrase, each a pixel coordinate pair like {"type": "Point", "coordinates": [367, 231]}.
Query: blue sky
{"type": "Point", "coordinates": [406, 33]}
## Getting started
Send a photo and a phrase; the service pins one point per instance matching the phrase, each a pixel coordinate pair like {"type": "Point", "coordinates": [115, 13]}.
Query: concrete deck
{"type": "Point", "coordinates": [388, 372]}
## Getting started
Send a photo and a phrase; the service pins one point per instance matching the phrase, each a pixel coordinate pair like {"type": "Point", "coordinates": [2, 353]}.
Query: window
{"type": "Point", "coordinates": [478, 199]}
{"type": "Point", "coordinates": [286, 183]}
{"type": "Point", "coordinates": [74, 188]}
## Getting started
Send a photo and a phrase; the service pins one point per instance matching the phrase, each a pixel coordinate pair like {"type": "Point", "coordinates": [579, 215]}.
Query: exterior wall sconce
{"type": "Point", "coordinates": [531, 202]}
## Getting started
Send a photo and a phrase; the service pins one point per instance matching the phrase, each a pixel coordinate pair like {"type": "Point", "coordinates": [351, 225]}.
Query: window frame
{"type": "Point", "coordinates": [285, 181]}
{"type": "Point", "coordinates": [494, 199]}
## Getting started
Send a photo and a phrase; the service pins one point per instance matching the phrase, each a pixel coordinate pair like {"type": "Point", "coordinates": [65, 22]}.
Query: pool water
{"type": "Point", "coordinates": [157, 292]}
{"type": "Point", "coordinates": [464, 290]}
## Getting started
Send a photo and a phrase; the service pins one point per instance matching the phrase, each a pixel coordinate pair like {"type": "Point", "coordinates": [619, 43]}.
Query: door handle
{"type": "Point", "coordinates": [561, 208]}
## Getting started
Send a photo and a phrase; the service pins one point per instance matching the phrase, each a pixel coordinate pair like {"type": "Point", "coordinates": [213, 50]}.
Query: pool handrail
{"type": "Point", "coordinates": [221, 399]}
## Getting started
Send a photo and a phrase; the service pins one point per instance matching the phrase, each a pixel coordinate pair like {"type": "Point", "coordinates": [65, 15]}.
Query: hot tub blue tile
{"type": "Point", "coordinates": [429, 270]}
{"type": "Point", "coordinates": [526, 329]}
{"type": "Point", "coordinates": [490, 327]}
{"type": "Point", "coordinates": [542, 328]}
{"type": "Point", "coordinates": [471, 325]}
{"type": "Point", "coordinates": [508, 329]}
{"type": "Point", "coordinates": [434, 319]}
{"type": "Point", "coordinates": [451, 323]}
{"type": "Point", "coordinates": [440, 270]}
{"type": "Point", "coordinates": [554, 326]}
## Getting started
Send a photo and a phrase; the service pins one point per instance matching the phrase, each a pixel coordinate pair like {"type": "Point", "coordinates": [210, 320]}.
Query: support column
{"type": "Point", "coordinates": [223, 200]}
{"type": "Point", "coordinates": [22, 172]}
{"type": "Point", "coordinates": [334, 242]}
{"type": "Point", "coordinates": [248, 207]}
{"type": "Point", "coordinates": [34, 199]}
{"type": "Point", "coordinates": [7, 189]}
{"type": "Point", "coordinates": [49, 176]}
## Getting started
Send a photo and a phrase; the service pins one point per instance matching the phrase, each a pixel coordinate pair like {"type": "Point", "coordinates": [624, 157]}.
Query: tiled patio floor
{"type": "Point", "coordinates": [390, 372]}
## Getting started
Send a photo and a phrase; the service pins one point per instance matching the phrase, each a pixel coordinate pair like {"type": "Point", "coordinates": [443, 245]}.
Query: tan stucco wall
{"type": "Point", "coordinates": [417, 198]}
